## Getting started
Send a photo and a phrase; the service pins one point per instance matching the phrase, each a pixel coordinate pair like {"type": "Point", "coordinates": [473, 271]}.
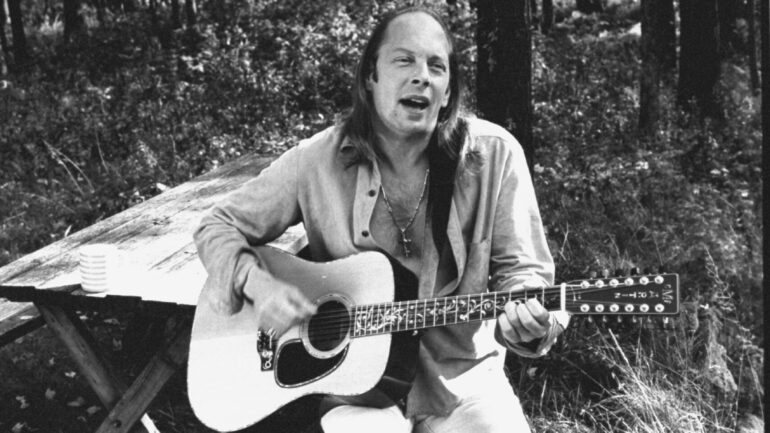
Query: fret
{"type": "Point", "coordinates": [424, 318]}
{"type": "Point", "coordinates": [379, 319]}
{"type": "Point", "coordinates": [409, 315]}
{"type": "Point", "coordinates": [399, 315]}
{"type": "Point", "coordinates": [435, 304]}
{"type": "Point", "coordinates": [369, 319]}
{"type": "Point", "coordinates": [419, 314]}
{"type": "Point", "coordinates": [486, 306]}
{"type": "Point", "coordinates": [471, 308]}
{"type": "Point", "coordinates": [356, 328]}
{"type": "Point", "coordinates": [441, 310]}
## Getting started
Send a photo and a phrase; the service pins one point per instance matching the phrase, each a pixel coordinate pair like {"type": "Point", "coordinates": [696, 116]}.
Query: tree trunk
{"type": "Point", "coordinates": [190, 11]}
{"type": "Point", "coordinates": [764, 28]}
{"type": "Point", "coordinates": [73, 22]}
{"type": "Point", "coordinates": [546, 21]}
{"type": "Point", "coordinates": [699, 61]}
{"type": "Point", "coordinates": [649, 89]}
{"type": "Point", "coordinates": [752, 45]}
{"type": "Point", "coordinates": [176, 21]}
{"type": "Point", "coordinates": [4, 45]}
{"type": "Point", "coordinates": [17, 29]}
{"type": "Point", "coordinates": [128, 5]}
{"type": "Point", "coordinates": [100, 4]}
{"type": "Point", "coordinates": [665, 35]}
{"type": "Point", "coordinates": [504, 74]}
{"type": "Point", "coordinates": [589, 6]}
{"type": "Point", "coordinates": [727, 11]}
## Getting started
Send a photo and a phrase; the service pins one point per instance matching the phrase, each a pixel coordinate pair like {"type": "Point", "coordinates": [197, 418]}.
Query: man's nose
{"type": "Point", "coordinates": [421, 74]}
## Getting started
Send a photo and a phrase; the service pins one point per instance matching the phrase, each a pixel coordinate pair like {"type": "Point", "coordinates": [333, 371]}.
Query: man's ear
{"type": "Point", "coordinates": [372, 77]}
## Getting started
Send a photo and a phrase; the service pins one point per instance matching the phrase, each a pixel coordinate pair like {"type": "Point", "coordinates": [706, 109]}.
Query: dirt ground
{"type": "Point", "coordinates": [41, 389]}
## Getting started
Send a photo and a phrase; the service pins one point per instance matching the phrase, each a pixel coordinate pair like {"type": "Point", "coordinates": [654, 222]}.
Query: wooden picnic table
{"type": "Point", "coordinates": [159, 270]}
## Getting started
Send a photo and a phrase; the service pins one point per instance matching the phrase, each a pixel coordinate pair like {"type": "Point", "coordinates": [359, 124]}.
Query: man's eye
{"type": "Point", "coordinates": [403, 60]}
{"type": "Point", "coordinates": [439, 67]}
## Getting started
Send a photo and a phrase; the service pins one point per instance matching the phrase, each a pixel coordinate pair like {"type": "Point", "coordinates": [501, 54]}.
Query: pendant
{"type": "Point", "coordinates": [405, 243]}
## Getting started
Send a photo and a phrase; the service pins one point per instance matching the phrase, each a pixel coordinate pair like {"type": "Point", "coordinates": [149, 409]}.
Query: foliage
{"type": "Point", "coordinates": [134, 107]}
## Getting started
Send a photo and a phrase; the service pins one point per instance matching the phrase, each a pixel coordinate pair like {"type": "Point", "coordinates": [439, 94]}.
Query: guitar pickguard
{"type": "Point", "coordinates": [294, 366]}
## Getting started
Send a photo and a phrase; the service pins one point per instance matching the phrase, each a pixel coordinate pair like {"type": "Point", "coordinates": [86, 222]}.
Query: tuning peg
{"type": "Point", "coordinates": [635, 270]}
{"type": "Point", "coordinates": [592, 274]}
{"type": "Point", "coordinates": [604, 319]}
{"type": "Point", "coordinates": [620, 319]}
{"type": "Point", "coordinates": [668, 324]}
{"type": "Point", "coordinates": [619, 272]}
{"type": "Point", "coordinates": [590, 319]}
{"type": "Point", "coordinates": [605, 273]}
{"type": "Point", "coordinates": [634, 319]}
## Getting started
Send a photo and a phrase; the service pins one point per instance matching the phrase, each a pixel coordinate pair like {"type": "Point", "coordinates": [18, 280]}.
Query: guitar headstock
{"type": "Point", "coordinates": [644, 295]}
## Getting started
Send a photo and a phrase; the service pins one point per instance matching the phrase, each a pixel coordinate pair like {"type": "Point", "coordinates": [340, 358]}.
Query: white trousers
{"type": "Point", "coordinates": [494, 411]}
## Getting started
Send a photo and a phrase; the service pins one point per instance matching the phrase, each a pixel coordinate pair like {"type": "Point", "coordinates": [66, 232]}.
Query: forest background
{"type": "Point", "coordinates": [133, 97]}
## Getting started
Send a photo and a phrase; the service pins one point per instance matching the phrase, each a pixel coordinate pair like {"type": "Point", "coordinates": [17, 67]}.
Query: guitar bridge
{"type": "Point", "coordinates": [266, 351]}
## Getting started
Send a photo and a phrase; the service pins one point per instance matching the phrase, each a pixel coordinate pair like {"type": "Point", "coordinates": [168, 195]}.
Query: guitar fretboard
{"type": "Point", "coordinates": [428, 313]}
{"type": "Point", "coordinates": [644, 295]}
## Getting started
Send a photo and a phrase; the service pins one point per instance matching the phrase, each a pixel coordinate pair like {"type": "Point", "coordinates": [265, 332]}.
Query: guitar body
{"type": "Point", "coordinates": [232, 384]}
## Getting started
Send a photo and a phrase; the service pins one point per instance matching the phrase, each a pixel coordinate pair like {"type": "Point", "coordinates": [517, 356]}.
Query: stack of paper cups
{"type": "Point", "coordinates": [97, 263]}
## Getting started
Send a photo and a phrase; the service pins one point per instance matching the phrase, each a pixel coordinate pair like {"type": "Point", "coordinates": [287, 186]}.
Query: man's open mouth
{"type": "Point", "coordinates": [416, 102]}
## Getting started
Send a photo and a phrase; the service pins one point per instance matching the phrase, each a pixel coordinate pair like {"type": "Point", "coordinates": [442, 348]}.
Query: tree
{"type": "Point", "coordinates": [546, 21]}
{"type": "Point", "coordinates": [73, 22]}
{"type": "Point", "coordinates": [764, 25]}
{"type": "Point", "coordinates": [699, 61]}
{"type": "Point", "coordinates": [649, 89]}
{"type": "Point", "coordinates": [17, 29]}
{"type": "Point", "coordinates": [727, 11]}
{"type": "Point", "coordinates": [190, 11]}
{"type": "Point", "coordinates": [176, 21]}
{"type": "Point", "coordinates": [589, 6]}
{"type": "Point", "coordinates": [752, 45]}
{"type": "Point", "coordinates": [504, 74]}
{"type": "Point", "coordinates": [665, 34]}
{"type": "Point", "coordinates": [4, 46]}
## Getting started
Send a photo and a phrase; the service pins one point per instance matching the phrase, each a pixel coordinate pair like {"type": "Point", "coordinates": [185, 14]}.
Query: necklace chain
{"type": "Point", "coordinates": [405, 241]}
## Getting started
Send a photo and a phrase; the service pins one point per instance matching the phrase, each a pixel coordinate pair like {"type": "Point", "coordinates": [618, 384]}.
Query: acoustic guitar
{"type": "Point", "coordinates": [365, 333]}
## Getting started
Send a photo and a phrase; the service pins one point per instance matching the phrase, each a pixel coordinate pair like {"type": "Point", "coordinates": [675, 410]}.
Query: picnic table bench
{"type": "Point", "coordinates": [154, 242]}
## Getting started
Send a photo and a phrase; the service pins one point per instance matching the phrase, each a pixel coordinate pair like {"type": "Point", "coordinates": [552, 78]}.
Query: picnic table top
{"type": "Point", "coordinates": [157, 259]}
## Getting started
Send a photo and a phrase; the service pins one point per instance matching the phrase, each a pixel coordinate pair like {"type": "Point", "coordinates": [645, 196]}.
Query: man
{"type": "Point", "coordinates": [449, 198]}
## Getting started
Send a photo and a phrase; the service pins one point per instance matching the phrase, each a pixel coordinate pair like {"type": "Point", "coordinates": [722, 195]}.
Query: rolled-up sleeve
{"type": "Point", "coordinates": [256, 213]}
{"type": "Point", "coordinates": [520, 256]}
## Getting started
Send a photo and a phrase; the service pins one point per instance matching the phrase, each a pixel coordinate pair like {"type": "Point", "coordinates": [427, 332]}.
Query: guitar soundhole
{"type": "Point", "coordinates": [329, 327]}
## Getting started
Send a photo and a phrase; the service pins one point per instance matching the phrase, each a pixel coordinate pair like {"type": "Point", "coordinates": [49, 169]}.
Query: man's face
{"type": "Point", "coordinates": [412, 74]}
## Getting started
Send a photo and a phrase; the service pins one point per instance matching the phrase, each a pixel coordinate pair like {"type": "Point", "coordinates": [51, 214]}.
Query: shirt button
{"type": "Point", "coordinates": [365, 233]}
{"type": "Point", "coordinates": [372, 193]}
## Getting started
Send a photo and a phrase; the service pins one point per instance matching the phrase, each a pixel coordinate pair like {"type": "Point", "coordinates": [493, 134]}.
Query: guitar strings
{"type": "Point", "coordinates": [334, 319]}
{"type": "Point", "coordinates": [330, 324]}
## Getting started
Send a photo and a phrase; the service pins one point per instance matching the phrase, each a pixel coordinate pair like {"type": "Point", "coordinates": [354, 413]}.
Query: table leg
{"type": "Point", "coordinates": [107, 386]}
{"type": "Point", "coordinates": [146, 386]}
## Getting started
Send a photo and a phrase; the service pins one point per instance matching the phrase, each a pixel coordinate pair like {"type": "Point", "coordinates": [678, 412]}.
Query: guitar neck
{"type": "Point", "coordinates": [641, 295]}
{"type": "Point", "coordinates": [419, 314]}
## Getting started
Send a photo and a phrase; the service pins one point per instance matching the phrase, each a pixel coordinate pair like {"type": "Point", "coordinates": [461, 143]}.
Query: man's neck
{"type": "Point", "coordinates": [403, 154]}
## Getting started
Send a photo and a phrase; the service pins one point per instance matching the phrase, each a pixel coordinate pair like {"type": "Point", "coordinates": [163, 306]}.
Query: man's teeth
{"type": "Point", "coordinates": [414, 103]}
